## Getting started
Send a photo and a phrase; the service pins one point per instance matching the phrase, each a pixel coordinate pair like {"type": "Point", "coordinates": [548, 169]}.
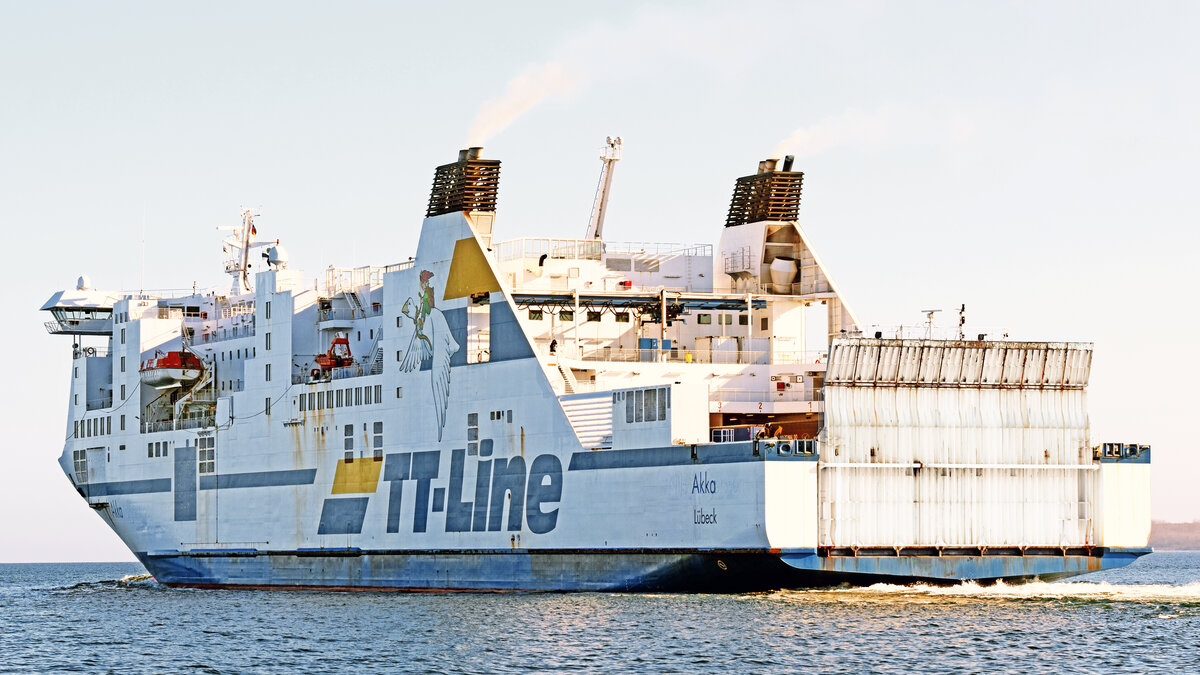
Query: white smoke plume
{"type": "Point", "coordinates": [523, 92]}
{"type": "Point", "coordinates": [885, 127]}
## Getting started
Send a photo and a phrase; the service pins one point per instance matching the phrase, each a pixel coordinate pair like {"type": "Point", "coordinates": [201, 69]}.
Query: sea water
{"type": "Point", "coordinates": [115, 618]}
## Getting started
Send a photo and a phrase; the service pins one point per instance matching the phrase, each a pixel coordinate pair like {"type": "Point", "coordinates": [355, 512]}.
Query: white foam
{"type": "Point", "coordinates": [1073, 590]}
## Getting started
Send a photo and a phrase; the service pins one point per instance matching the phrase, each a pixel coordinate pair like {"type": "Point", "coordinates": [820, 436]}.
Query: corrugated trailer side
{"type": "Point", "coordinates": [957, 444]}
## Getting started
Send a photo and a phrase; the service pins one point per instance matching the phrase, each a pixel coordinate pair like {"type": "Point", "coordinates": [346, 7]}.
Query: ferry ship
{"type": "Point", "coordinates": [579, 414]}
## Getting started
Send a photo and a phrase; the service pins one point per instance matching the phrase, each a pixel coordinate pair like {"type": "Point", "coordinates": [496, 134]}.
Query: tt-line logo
{"type": "Point", "coordinates": [526, 491]}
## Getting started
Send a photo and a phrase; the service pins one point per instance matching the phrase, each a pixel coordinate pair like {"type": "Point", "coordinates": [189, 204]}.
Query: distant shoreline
{"type": "Point", "coordinates": [1175, 536]}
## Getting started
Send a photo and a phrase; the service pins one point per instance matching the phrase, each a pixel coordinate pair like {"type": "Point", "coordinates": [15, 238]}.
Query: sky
{"type": "Point", "coordinates": [1036, 161]}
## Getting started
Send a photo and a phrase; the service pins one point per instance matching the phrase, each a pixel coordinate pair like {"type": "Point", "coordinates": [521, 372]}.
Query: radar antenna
{"type": "Point", "coordinates": [610, 157]}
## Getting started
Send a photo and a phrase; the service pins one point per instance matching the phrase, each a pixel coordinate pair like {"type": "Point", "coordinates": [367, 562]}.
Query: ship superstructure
{"type": "Point", "coordinates": [574, 414]}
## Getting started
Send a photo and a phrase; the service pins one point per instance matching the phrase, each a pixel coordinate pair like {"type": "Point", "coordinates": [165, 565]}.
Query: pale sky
{"type": "Point", "coordinates": [1037, 161]}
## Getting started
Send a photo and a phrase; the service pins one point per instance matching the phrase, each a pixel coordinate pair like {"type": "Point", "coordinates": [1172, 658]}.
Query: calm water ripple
{"type": "Point", "coordinates": [115, 618]}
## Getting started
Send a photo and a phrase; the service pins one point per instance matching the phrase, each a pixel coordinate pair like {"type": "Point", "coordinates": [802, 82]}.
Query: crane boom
{"type": "Point", "coordinates": [610, 157]}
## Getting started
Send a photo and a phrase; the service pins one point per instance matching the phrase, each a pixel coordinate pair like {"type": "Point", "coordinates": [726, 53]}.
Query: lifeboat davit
{"type": "Point", "coordinates": [171, 370]}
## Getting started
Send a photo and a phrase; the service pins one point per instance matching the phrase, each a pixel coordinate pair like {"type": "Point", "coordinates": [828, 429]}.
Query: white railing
{"type": "Point", "coordinates": [193, 422]}
{"type": "Point", "coordinates": [765, 395]}
{"type": "Point", "coordinates": [228, 333]}
{"type": "Point", "coordinates": [230, 311]}
{"type": "Point", "coordinates": [675, 356]}
{"type": "Point", "coordinates": [657, 248]}
{"type": "Point", "coordinates": [536, 247]}
{"type": "Point", "coordinates": [345, 279]}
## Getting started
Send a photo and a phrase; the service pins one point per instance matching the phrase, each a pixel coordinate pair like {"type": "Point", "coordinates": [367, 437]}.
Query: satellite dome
{"type": "Point", "coordinates": [83, 283]}
{"type": "Point", "coordinates": [277, 256]}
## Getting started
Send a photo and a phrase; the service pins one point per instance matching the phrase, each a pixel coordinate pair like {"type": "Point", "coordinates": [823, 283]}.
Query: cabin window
{"type": "Point", "coordinates": [628, 409]}
{"type": "Point", "coordinates": [621, 317]}
{"type": "Point", "coordinates": [378, 393]}
{"type": "Point", "coordinates": [320, 401]}
{"type": "Point", "coordinates": [704, 319]}
{"type": "Point", "coordinates": [149, 449]}
{"type": "Point", "coordinates": [206, 453]}
{"type": "Point", "coordinates": [662, 403]}
{"type": "Point", "coordinates": [303, 402]}
{"type": "Point", "coordinates": [743, 320]}
{"type": "Point", "coordinates": [122, 426]}
{"type": "Point", "coordinates": [310, 401]}
{"type": "Point", "coordinates": [77, 372]}
{"type": "Point", "coordinates": [122, 336]}
{"type": "Point", "coordinates": [638, 402]}
{"type": "Point", "coordinates": [329, 399]}
{"type": "Point", "coordinates": [645, 265]}
{"type": "Point", "coordinates": [367, 395]}
{"type": "Point", "coordinates": [358, 336]}
{"type": "Point", "coordinates": [339, 398]}
{"type": "Point", "coordinates": [566, 316]}
{"type": "Point", "coordinates": [81, 471]}
{"type": "Point", "coordinates": [726, 319]}
{"type": "Point", "coordinates": [593, 316]}
{"type": "Point", "coordinates": [763, 324]}
{"type": "Point", "coordinates": [358, 396]}
{"type": "Point", "coordinates": [377, 441]}
{"type": "Point", "coordinates": [371, 334]}
{"type": "Point", "coordinates": [267, 405]}
{"type": "Point", "coordinates": [268, 312]}
{"type": "Point", "coordinates": [651, 405]}
{"type": "Point", "coordinates": [268, 372]}
{"type": "Point", "coordinates": [349, 441]}
{"type": "Point", "coordinates": [122, 392]}
{"type": "Point", "coordinates": [267, 338]}
{"type": "Point", "coordinates": [122, 364]}
{"type": "Point", "coordinates": [535, 315]}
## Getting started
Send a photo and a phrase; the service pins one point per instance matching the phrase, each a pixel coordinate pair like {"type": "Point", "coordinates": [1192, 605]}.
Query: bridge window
{"type": "Point", "coordinates": [593, 316]}
{"type": "Point", "coordinates": [621, 317]}
{"type": "Point", "coordinates": [566, 316]}
{"type": "Point", "coordinates": [535, 315]}
{"type": "Point", "coordinates": [349, 441]}
{"type": "Point", "coordinates": [704, 319]}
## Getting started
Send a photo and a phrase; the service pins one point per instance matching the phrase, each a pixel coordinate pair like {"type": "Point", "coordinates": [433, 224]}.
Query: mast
{"type": "Point", "coordinates": [610, 157]}
{"type": "Point", "coordinates": [238, 247]}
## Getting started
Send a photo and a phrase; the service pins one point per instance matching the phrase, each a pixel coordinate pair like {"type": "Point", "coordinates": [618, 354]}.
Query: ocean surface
{"type": "Point", "coordinates": [98, 617]}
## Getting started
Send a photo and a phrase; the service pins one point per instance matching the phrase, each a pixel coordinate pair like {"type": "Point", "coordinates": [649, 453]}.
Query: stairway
{"type": "Point", "coordinates": [569, 382]}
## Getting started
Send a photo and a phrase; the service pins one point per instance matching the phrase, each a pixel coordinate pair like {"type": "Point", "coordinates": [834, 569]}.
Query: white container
{"type": "Point", "coordinates": [783, 271]}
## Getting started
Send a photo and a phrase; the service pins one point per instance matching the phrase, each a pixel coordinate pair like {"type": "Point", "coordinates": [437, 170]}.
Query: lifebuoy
{"type": "Point", "coordinates": [314, 373]}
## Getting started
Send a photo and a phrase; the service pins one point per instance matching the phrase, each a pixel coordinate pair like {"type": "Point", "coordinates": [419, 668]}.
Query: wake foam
{"type": "Point", "coordinates": [1035, 590]}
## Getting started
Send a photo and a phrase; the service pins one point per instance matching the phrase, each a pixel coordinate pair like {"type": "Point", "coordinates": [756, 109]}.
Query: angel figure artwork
{"type": "Point", "coordinates": [427, 338]}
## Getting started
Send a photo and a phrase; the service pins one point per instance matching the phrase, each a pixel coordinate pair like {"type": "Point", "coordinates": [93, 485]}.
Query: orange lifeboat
{"type": "Point", "coordinates": [171, 370]}
{"type": "Point", "coordinates": [338, 355]}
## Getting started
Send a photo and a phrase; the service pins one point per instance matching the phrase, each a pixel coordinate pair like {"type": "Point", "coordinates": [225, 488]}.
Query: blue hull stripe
{"type": "Point", "coordinates": [126, 487]}
{"type": "Point", "coordinates": [258, 479]}
{"type": "Point", "coordinates": [677, 455]}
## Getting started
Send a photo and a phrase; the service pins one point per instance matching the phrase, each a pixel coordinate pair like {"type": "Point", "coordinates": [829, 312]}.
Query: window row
{"type": "Point", "coordinates": [158, 448]}
{"type": "Point", "coordinates": [569, 315]}
{"type": "Point", "coordinates": [341, 398]}
{"type": "Point", "coordinates": [96, 426]}
{"type": "Point", "coordinates": [645, 405]}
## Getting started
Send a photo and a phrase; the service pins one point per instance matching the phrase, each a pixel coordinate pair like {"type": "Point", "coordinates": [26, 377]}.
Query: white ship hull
{"type": "Point", "coordinates": [472, 449]}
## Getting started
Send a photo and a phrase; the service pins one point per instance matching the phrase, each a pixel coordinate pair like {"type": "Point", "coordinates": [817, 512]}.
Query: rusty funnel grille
{"type": "Point", "coordinates": [470, 184]}
{"type": "Point", "coordinates": [767, 195]}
